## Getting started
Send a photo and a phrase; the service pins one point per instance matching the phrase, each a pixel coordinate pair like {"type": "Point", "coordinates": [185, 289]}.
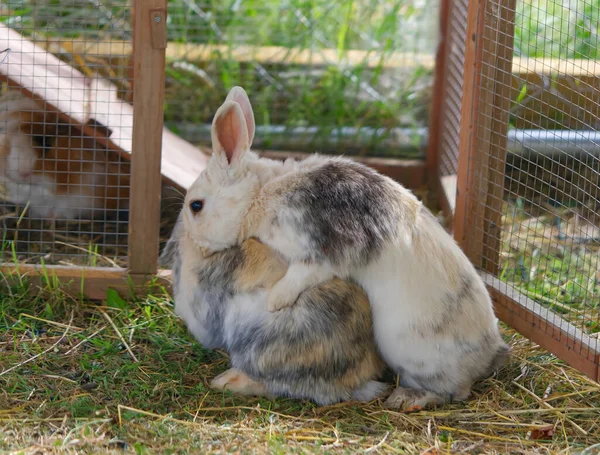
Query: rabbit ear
{"type": "Point", "coordinates": [238, 94]}
{"type": "Point", "coordinates": [229, 132]}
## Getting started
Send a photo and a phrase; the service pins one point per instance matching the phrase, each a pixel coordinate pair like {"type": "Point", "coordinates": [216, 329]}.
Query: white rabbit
{"type": "Point", "coordinates": [433, 317]}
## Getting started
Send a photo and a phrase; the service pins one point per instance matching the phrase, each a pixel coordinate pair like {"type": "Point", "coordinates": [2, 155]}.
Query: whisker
{"type": "Point", "coordinates": [177, 190]}
{"type": "Point", "coordinates": [172, 205]}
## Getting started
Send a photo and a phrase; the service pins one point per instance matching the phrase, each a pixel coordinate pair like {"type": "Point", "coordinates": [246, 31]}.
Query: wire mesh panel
{"type": "Point", "coordinates": [529, 169]}
{"type": "Point", "coordinates": [453, 89]}
{"type": "Point", "coordinates": [341, 76]}
{"type": "Point", "coordinates": [64, 128]}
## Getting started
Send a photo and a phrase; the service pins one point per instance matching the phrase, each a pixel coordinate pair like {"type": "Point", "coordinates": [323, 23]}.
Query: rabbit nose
{"type": "Point", "coordinates": [25, 174]}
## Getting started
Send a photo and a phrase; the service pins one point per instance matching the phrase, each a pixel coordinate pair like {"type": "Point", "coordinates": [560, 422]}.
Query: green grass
{"type": "Point", "coordinates": [557, 29]}
{"type": "Point", "coordinates": [68, 384]}
{"type": "Point", "coordinates": [552, 262]}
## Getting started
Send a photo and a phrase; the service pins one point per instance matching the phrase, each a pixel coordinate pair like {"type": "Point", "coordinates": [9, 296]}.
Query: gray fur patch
{"type": "Point", "coordinates": [454, 302]}
{"type": "Point", "coordinates": [210, 308]}
{"type": "Point", "coordinates": [219, 270]}
{"type": "Point", "coordinates": [348, 209]}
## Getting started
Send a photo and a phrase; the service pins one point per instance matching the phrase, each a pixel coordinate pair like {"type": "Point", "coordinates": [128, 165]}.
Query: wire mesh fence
{"type": "Point", "coordinates": [341, 76]}
{"type": "Point", "coordinates": [452, 88]}
{"type": "Point", "coordinates": [335, 77]}
{"type": "Point", "coordinates": [65, 187]}
{"type": "Point", "coordinates": [528, 206]}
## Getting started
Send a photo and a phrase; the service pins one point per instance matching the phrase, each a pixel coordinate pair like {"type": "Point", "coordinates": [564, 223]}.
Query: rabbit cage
{"type": "Point", "coordinates": [515, 152]}
{"type": "Point", "coordinates": [500, 127]}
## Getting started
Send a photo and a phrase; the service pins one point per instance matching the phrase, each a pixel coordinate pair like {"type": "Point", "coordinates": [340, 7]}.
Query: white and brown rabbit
{"type": "Point", "coordinates": [58, 171]}
{"type": "Point", "coordinates": [320, 349]}
{"type": "Point", "coordinates": [433, 317]}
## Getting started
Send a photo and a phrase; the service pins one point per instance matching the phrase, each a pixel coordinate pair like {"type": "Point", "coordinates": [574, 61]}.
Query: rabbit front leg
{"type": "Point", "coordinates": [270, 223]}
{"type": "Point", "coordinates": [299, 277]}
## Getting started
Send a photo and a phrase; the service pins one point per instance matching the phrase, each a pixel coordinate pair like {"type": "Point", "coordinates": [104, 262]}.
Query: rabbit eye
{"type": "Point", "coordinates": [196, 206]}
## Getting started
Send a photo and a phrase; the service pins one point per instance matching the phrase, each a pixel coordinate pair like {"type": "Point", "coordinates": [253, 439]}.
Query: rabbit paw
{"type": "Point", "coordinates": [408, 399]}
{"type": "Point", "coordinates": [298, 278]}
{"type": "Point", "coordinates": [281, 296]}
{"type": "Point", "coordinates": [238, 382]}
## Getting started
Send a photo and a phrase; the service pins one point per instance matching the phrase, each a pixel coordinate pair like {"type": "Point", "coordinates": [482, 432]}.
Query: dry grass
{"type": "Point", "coordinates": [125, 377]}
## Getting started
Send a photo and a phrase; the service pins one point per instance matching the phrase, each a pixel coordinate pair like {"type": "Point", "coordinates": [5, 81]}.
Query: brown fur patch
{"type": "Point", "coordinates": [263, 207]}
{"type": "Point", "coordinates": [262, 267]}
{"type": "Point", "coordinates": [366, 364]}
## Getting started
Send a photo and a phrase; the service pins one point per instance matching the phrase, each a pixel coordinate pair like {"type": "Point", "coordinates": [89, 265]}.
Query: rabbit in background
{"type": "Point", "coordinates": [330, 216]}
{"type": "Point", "coordinates": [320, 349]}
{"type": "Point", "coordinates": [59, 172]}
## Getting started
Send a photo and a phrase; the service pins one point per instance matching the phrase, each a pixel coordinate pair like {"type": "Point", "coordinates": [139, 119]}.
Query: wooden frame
{"type": "Point", "coordinates": [479, 184]}
{"type": "Point", "coordinates": [484, 130]}
{"type": "Point", "coordinates": [545, 328]}
{"type": "Point", "coordinates": [150, 42]}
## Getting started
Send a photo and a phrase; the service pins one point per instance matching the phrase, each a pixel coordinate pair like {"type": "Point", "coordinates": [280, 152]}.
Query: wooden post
{"type": "Point", "coordinates": [130, 72]}
{"type": "Point", "coordinates": [498, 140]}
{"type": "Point", "coordinates": [150, 42]}
{"type": "Point", "coordinates": [468, 114]}
{"type": "Point", "coordinates": [484, 130]}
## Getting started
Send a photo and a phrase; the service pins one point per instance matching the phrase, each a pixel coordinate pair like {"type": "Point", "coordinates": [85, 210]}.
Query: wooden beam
{"type": "Point", "coordinates": [545, 328]}
{"type": "Point", "coordinates": [150, 42]}
{"type": "Point", "coordinates": [468, 119]}
{"type": "Point", "coordinates": [91, 282]}
{"type": "Point", "coordinates": [410, 173]}
{"type": "Point", "coordinates": [279, 55]}
{"type": "Point", "coordinates": [495, 147]}
{"type": "Point", "coordinates": [484, 129]}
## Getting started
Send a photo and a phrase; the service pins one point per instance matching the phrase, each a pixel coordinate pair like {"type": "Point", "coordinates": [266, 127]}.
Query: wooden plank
{"type": "Point", "coordinates": [77, 99]}
{"type": "Point", "coordinates": [91, 282]}
{"type": "Point", "coordinates": [545, 328]}
{"type": "Point", "coordinates": [410, 173]}
{"type": "Point", "coordinates": [297, 56]}
{"type": "Point", "coordinates": [484, 128]}
{"type": "Point", "coordinates": [148, 101]}
{"type": "Point", "coordinates": [246, 53]}
{"type": "Point", "coordinates": [469, 116]}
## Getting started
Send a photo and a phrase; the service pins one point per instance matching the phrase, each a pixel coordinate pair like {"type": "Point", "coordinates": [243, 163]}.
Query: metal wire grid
{"type": "Point", "coordinates": [548, 194]}
{"type": "Point", "coordinates": [341, 76]}
{"type": "Point", "coordinates": [65, 195]}
{"type": "Point", "coordinates": [453, 88]}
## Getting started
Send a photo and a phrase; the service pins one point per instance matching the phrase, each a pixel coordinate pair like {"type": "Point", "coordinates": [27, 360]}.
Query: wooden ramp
{"type": "Point", "coordinates": [85, 102]}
